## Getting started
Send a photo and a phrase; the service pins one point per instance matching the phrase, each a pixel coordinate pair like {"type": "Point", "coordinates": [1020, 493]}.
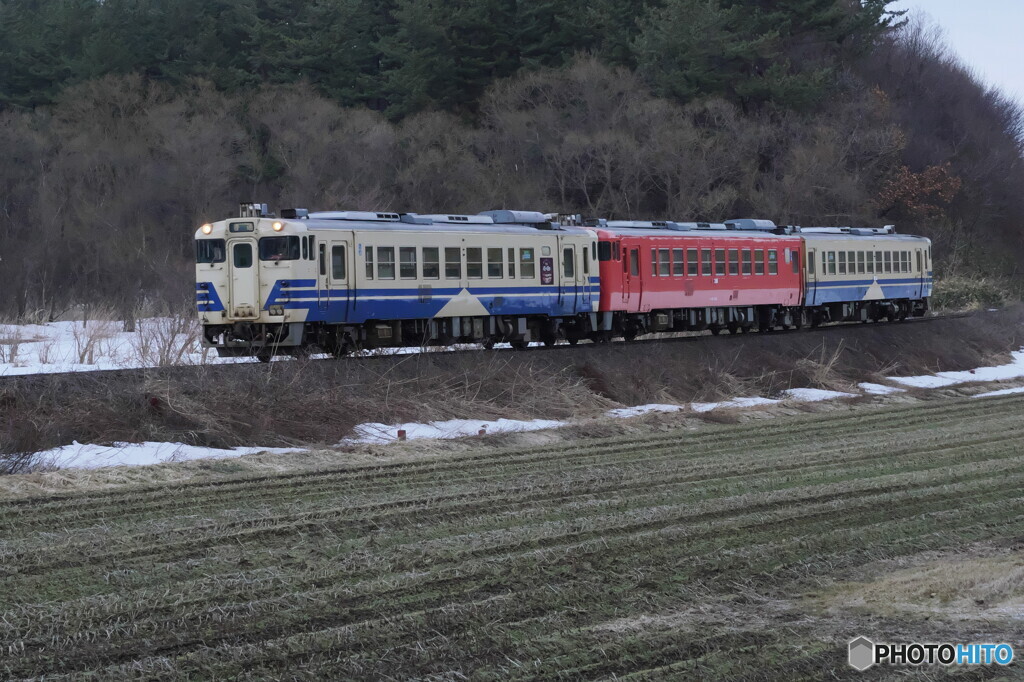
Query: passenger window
{"type": "Point", "coordinates": [494, 264]}
{"type": "Point", "coordinates": [511, 263]}
{"type": "Point", "coordinates": [634, 262]}
{"type": "Point", "coordinates": [312, 246]}
{"type": "Point", "coordinates": [604, 251]}
{"type": "Point", "coordinates": [773, 262]}
{"type": "Point", "coordinates": [431, 263]}
{"type": "Point", "coordinates": [842, 262]}
{"type": "Point", "coordinates": [734, 261]}
{"type": "Point", "coordinates": [452, 263]}
{"type": "Point", "coordinates": [407, 262]}
{"type": "Point", "coordinates": [586, 259]}
{"type": "Point", "coordinates": [568, 263]}
{"type": "Point", "coordinates": [337, 262]}
{"type": "Point", "coordinates": [527, 266]}
{"type": "Point", "coordinates": [860, 262]}
{"type": "Point", "coordinates": [851, 262]}
{"type": "Point", "coordinates": [746, 262]}
{"type": "Point", "coordinates": [369, 262]}
{"type": "Point", "coordinates": [719, 262]}
{"type": "Point", "coordinates": [919, 268]}
{"type": "Point", "coordinates": [810, 262]}
{"type": "Point", "coordinates": [887, 256]}
{"type": "Point", "coordinates": [678, 264]}
{"type": "Point", "coordinates": [831, 262]}
{"type": "Point", "coordinates": [878, 262]}
{"type": "Point", "coordinates": [385, 262]}
{"type": "Point", "coordinates": [705, 258]}
{"type": "Point", "coordinates": [323, 259]}
{"type": "Point", "coordinates": [665, 259]}
{"type": "Point", "coordinates": [692, 264]}
{"type": "Point", "coordinates": [795, 260]}
{"type": "Point", "coordinates": [474, 263]}
{"type": "Point", "coordinates": [758, 261]}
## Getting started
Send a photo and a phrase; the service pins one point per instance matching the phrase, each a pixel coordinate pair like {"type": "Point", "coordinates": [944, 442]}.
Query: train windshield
{"type": "Point", "coordinates": [210, 251]}
{"type": "Point", "coordinates": [279, 248]}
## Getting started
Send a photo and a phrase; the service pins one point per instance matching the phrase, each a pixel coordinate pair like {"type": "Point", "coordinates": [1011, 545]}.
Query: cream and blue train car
{"type": "Point", "coordinates": [862, 274]}
{"type": "Point", "coordinates": [344, 280]}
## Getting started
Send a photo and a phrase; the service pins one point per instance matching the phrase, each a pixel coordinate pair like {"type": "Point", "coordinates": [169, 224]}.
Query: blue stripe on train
{"type": "Point", "coordinates": [207, 299]}
{"type": "Point", "coordinates": [842, 292]}
{"type": "Point", "coordinates": [345, 310]}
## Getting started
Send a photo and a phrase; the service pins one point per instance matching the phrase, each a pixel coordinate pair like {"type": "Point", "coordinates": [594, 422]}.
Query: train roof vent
{"type": "Point", "coordinates": [825, 230]}
{"type": "Point", "coordinates": [292, 213]}
{"type": "Point", "coordinates": [366, 216]}
{"type": "Point", "coordinates": [444, 218]}
{"type": "Point", "coordinates": [866, 231]}
{"type": "Point", "coordinates": [709, 226]}
{"type": "Point", "coordinates": [639, 224]}
{"type": "Point", "coordinates": [750, 224]}
{"type": "Point", "coordinates": [506, 217]}
{"type": "Point", "coordinates": [416, 219]}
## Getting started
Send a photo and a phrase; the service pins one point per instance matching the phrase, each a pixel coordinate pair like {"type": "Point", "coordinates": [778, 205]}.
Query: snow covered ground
{"type": "Point", "coordinates": [72, 346]}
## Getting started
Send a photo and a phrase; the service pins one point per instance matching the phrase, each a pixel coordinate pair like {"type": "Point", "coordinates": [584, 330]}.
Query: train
{"type": "Point", "coordinates": [342, 281]}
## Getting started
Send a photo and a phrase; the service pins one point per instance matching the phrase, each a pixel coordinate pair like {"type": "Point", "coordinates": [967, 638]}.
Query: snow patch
{"type": "Point", "coordinates": [624, 412]}
{"type": "Point", "coordinates": [879, 389]}
{"type": "Point", "coordinates": [452, 428]}
{"type": "Point", "coordinates": [87, 456]}
{"type": "Point", "coordinates": [814, 395]}
{"type": "Point", "coordinates": [751, 401]}
{"type": "Point", "coordinates": [1014, 370]}
{"type": "Point", "coordinates": [1005, 391]}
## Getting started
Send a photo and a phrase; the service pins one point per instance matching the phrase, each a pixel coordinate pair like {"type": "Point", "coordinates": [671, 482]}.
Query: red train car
{"type": "Point", "coordinates": [667, 276]}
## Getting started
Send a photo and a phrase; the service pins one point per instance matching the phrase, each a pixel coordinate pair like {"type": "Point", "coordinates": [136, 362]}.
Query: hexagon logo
{"type": "Point", "coordinates": [862, 653]}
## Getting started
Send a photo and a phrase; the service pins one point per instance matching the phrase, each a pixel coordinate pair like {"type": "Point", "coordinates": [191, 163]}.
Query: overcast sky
{"type": "Point", "coordinates": [985, 33]}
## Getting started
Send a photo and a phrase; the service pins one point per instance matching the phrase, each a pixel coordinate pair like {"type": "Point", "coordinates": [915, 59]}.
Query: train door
{"type": "Point", "coordinates": [245, 281]}
{"type": "Point", "coordinates": [811, 271]}
{"type": "Point", "coordinates": [919, 262]}
{"type": "Point", "coordinates": [588, 260]}
{"type": "Point", "coordinates": [568, 285]}
{"type": "Point", "coordinates": [323, 284]}
{"type": "Point", "coordinates": [338, 268]}
{"type": "Point", "coordinates": [630, 276]}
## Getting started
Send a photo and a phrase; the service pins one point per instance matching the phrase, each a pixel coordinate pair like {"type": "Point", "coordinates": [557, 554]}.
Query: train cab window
{"type": "Point", "coordinates": [495, 266]}
{"type": "Point", "coordinates": [705, 262]}
{"type": "Point", "coordinates": [568, 263]}
{"type": "Point", "coordinates": [678, 264]}
{"type": "Point", "coordinates": [734, 261]}
{"type": "Point", "coordinates": [842, 262]}
{"type": "Point", "coordinates": [407, 262]}
{"type": "Point", "coordinates": [279, 248]}
{"type": "Point", "coordinates": [474, 263]}
{"type": "Point", "coordinates": [928, 258]}
{"type": "Point", "coordinates": [634, 262]}
{"type": "Point", "coordinates": [773, 262]}
{"type": "Point", "coordinates": [431, 262]}
{"type": "Point", "coordinates": [212, 251]}
{"type": "Point", "coordinates": [323, 259]}
{"type": "Point", "coordinates": [719, 261]}
{"type": "Point", "coordinates": [369, 262]}
{"type": "Point", "coordinates": [527, 264]}
{"type": "Point", "coordinates": [746, 262]}
{"type": "Point", "coordinates": [452, 263]}
{"type": "Point", "coordinates": [593, 251]}
{"type": "Point", "coordinates": [241, 255]}
{"type": "Point", "coordinates": [305, 248]}
{"type": "Point", "coordinates": [831, 262]}
{"type": "Point", "coordinates": [511, 263]}
{"type": "Point", "coordinates": [692, 264]}
{"type": "Point", "coordinates": [665, 260]}
{"type": "Point", "coordinates": [312, 246]}
{"type": "Point", "coordinates": [337, 261]}
{"type": "Point", "coordinates": [385, 262]}
{"type": "Point", "coordinates": [604, 251]}
{"type": "Point", "coordinates": [586, 259]}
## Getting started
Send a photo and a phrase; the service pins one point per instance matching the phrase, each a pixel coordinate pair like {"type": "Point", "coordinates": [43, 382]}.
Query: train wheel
{"type": "Point", "coordinates": [489, 344]}
{"type": "Point", "coordinates": [734, 327]}
{"type": "Point", "coordinates": [573, 340]}
{"type": "Point", "coordinates": [519, 344]}
{"type": "Point", "coordinates": [715, 329]}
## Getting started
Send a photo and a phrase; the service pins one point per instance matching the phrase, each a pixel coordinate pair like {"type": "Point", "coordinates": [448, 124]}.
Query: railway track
{"type": "Point", "coordinates": [390, 353]}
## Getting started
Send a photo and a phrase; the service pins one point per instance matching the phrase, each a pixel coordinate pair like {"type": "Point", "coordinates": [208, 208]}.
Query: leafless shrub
{"type": "Point", "coordinates": [90, 339]}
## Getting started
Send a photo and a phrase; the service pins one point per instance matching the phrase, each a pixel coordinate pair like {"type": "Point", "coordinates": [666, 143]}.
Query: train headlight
{"type": "Point", "coordinates": [278, 226]}
{"type": "Point", "coordinates": [207, 228]}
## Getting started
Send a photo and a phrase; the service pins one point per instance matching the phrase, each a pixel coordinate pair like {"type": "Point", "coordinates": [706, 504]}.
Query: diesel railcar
{"type": "Point", "coordinates": [344, 280]}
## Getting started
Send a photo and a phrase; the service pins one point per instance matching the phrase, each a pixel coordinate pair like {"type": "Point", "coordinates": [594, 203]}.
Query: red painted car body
{"type": "Point", "coordinates": [658, 269]}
